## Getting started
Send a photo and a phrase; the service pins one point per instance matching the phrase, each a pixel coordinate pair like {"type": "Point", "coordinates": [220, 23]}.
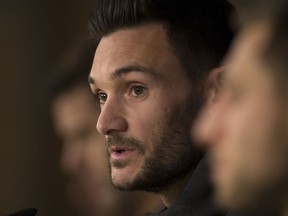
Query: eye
{"type": "Point", "coordinates": [138, 90]}
{"type": "Point", "coordinates": [101, 96]}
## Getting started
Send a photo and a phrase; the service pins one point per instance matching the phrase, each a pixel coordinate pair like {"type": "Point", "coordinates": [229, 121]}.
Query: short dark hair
{"type": "Point", "coordinates": [198, 31]}
{"type": "Point", "coordinates": [72, 71]}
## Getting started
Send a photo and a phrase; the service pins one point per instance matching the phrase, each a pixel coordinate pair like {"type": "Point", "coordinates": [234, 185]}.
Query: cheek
{"type": "Point", "coordinates": [254, 137]}
{"type": "Point", "coordinates": [141, 125]}
{"type": "Point", "coordinates": [146, 121]}
{"type": "Point", "coordinates": [244, 136]}
{"type": "Point", "coordinates": [142, 114]}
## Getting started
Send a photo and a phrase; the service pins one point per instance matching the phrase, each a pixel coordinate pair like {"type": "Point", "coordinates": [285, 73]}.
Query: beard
{"type": "Point", "coordinates": [172, 158]}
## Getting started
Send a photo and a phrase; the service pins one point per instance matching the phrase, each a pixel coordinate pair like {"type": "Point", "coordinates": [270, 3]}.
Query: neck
{"type": "Point", "coordinates": [170, 194]}
{"type": "Point", "coordinates": [148, 203]}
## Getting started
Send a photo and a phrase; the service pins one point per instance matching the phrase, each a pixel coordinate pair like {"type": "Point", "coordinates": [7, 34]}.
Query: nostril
{"type": "Point", "coordinates": [99, 124]}
{"type": "Point", "coordinates": [100, 128]}
{"type": "Point", "coordinates": [111, 118]}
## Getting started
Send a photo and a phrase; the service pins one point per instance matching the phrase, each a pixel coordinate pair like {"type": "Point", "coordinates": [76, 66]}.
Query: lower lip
{"type": "Point", "coordinates": [123, 155]}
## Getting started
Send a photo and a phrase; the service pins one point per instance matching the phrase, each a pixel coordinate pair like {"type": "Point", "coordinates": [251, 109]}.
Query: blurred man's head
{"type": "Point", "coordinates": [246, 127]}
{"type": "Point", "coordinates": [149, 67]}
{"type": "Point", "coordinates": [83, 155]}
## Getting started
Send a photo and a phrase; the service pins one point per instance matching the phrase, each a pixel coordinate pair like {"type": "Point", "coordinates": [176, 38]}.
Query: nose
{"type": "Point", "coordinates": [111, 119]}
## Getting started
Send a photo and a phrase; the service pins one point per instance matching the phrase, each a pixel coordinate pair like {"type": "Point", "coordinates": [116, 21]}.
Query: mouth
{"type": "Point", "coordinates": [121, 152]}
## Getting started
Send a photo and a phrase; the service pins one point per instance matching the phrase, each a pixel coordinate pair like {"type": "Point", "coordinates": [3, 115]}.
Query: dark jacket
{"type": "Point", "coordinates": [195, 199]}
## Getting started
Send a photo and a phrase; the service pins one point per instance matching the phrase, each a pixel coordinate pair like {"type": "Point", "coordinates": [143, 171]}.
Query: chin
{"type": "Point", "coordinates": [124, 173]}
{"type": "Point", "coordinates": [123, 178]}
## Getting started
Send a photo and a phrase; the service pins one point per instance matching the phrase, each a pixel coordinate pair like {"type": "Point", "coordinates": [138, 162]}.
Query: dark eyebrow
{"type": "Point", "coordinates": [132, 68]}
{"type": "Point", "coordinates": [125, 70]}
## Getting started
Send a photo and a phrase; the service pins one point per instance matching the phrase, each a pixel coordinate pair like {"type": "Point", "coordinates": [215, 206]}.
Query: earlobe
{"type": "Point", "coordinates": [214, 84]}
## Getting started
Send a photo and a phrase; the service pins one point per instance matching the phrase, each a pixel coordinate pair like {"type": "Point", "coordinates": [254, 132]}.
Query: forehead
{"type": "Point", "coordinates": [146, 46]}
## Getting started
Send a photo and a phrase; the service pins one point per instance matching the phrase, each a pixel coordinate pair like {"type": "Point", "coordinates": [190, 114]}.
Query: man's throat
{"type": "Point", "coordinates": [170, 194]}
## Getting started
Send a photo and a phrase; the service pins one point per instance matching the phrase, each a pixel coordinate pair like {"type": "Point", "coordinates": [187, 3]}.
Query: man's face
{"type": "Point", "coordinates": [143, 94]}
{"type": "Point", "coordinates": [246, 128]}
{"type": "Point", "coordinates": [83, 153]}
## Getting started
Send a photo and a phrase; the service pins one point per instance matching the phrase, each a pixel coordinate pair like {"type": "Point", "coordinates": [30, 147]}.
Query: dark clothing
{"type": "Point", "coordinates": [26, 212]}
{"type": "Point", "coordinates": [195, 200]}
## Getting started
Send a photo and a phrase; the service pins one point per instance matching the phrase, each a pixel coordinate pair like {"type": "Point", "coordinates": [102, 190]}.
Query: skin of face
{"type": "Point", "coordinates": [143, 93]}
{"type": "Point", "coordinates": [245, 129]}
{"type": "Point", "coordinates": [83, 156]}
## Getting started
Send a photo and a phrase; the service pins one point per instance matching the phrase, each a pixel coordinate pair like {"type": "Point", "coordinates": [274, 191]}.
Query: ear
{"type": "Point", "coordinates": [214, 83]}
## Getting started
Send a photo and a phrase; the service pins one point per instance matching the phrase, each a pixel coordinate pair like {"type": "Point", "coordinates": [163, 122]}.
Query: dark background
{"type": "Point", "coordinates": [34, 34]}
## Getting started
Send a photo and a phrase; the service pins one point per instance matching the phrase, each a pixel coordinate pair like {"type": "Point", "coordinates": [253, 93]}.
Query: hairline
{"type": "Point", "coordinates": [162, 24]}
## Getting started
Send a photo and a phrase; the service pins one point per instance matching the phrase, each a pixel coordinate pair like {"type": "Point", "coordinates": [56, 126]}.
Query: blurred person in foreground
{"type": "Point", "coordinates": [245, 127]}
{"type": "Point", "coordinates": [84, 157]}
{"type": "Point", "coordinates": [149, 68]}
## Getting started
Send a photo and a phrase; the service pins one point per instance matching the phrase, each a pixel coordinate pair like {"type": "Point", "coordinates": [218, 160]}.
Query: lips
{"type": "Point", "coordinates": [121, 152]}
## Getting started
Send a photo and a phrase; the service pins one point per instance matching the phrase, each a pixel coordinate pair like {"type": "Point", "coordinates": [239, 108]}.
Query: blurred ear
{"type": "Point", "coordinates": [214, 84]}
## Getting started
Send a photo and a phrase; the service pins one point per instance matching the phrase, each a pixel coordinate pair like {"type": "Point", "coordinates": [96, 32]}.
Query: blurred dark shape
{"type": "Point", "coordinates": [26, 212]}
{"type": "Point", "coordinates": [33, 36]}
{"type": "Point", "coordinates": [246, 128]}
